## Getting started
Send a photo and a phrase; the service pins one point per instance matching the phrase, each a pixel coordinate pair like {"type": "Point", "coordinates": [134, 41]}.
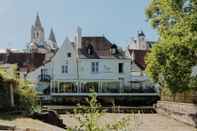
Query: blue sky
{"type": "Point", "coordinates": [118, 20]}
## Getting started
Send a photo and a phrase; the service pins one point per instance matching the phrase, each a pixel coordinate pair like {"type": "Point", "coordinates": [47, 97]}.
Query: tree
{"type": "Point", "coordinates": [171, 60]}
{"type": "Point", "coordinates": [8, 82]}
{"type": "Point", "coordinates": [22, 94]}
{"type": "Point", "coordinates": [26, 97]}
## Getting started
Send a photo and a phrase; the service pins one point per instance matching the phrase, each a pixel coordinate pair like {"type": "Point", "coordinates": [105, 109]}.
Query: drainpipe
{"type": "Point", "coordinates": [78, 84]}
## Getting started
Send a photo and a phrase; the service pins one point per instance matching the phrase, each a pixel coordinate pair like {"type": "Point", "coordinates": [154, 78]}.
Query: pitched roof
{"type": "Point", "coordinates": [139, 57]}
{"type": "Point", "coordinates": [100, 46]}
{"type": "Point", "coordinates": [28, 60]}
{"type": "Point", "coordinates": [98, 42]}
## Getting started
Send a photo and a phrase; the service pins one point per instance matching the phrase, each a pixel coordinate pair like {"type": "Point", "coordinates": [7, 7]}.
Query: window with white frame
{"type": "Point", "coordinates": [95, 67]}
{"type": "Point", "coordinates": [64, 69]}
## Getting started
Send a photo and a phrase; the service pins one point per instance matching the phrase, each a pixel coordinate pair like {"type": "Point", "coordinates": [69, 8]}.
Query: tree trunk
{"type": "Point", "coordinates": [12, 95]}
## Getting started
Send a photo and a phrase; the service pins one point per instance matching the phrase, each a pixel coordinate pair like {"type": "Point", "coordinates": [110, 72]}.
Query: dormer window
{"type": "Point", "coordinates": [114, 49]}
{"type": "Point", "coordinates": [90, 50]}
{"type": "Point", "coordinates": [37, 34]}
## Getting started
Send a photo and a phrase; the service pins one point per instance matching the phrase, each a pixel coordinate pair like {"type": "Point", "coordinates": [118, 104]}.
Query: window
{"type": "Point", "coordinates": [90, 49]}
{"type": "Point", "coordinates": [43, 71]}
{"type": "Point", "coordinates": [69, 54]}
{"type": "Point", "coordinates": [95, 67]}
{"type": "Point", "coordinates": [113, 51]}
{"type": "Point", "coordinates": [65, 69]}
{"type": "Point", "coordinates": [44, 74]}
{"type": "Point", "coordinates": [37, 34]}
{"type": "Point", "coordinates": [120, 68]}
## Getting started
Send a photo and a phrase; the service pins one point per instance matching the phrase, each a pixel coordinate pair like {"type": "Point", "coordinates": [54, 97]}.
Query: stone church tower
{"type": "Point", "coordinates": [37, 32]}
{"type": "Point", "coordinates": [38, 44]}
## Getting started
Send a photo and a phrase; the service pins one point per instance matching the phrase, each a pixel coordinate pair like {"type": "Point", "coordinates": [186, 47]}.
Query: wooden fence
{"type": "Point", "coordinates": [186, 97]}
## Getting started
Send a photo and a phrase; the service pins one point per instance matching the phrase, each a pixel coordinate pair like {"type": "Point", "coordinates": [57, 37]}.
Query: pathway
{"type": "Point", "coordinates": [146, 122]}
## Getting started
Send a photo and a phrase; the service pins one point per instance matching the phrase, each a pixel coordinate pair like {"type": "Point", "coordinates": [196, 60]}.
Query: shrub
{"type": "Point", "coordinates": [26, 97]}
{"type": "Point", "coordinates": [88, 116]}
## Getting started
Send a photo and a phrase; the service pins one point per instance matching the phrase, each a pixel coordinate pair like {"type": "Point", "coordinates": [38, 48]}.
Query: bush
{"type": "Point", "coordinates": [26, 97]}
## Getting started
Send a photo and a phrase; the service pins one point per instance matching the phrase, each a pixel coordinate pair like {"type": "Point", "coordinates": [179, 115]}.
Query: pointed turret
{"type": "Point", "coordinates": [37, 32]}
{"type": "Point", "coordinates": [52, 36]}
{"type": "Point", "coordinates": [38, 22]}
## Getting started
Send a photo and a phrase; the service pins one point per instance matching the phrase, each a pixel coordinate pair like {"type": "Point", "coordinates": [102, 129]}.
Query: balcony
{"type": "Point", "coordinates": [137, 78]}
{"type": "Point", "coordinates": [44, 78]}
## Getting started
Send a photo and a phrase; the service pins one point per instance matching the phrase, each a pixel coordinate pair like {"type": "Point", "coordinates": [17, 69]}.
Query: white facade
{"type": "Point", "coordinates": [71, 72]}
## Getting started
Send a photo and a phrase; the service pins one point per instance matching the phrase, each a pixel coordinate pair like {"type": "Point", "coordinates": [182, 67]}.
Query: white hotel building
{"type": "Point", "coordinates": [91, 63]}
{"type": "Point", "coordinates": [88, 63]}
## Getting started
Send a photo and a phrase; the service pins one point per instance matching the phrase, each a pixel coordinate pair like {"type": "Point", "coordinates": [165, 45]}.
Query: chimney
{"type": "Point", "coordinates": [78, 38]}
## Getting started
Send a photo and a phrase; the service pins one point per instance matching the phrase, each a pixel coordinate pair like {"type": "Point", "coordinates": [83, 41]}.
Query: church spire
{"type": "Point", "coordinates": [38, 22]}
{"type": "Point", "coordinates": [52, 36]}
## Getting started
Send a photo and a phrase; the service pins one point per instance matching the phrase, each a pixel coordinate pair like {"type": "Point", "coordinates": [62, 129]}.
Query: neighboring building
{"type": "Point", "coordinates": [89, 63]}
{"type": "Point", "coordinates": [137, 50]}
{"type": "Point", "coordinates": [194, 71]}
{"type": "Point", "coordinates": [141, 43]}
{"type": "Point", "coordinates": [138, 77]}
{"type": "Point", "coordinates": [38, 44]}
{"type": "Point", "coordinates": [25, 62]}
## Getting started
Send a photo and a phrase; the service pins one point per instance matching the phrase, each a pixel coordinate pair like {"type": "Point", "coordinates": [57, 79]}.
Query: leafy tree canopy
{"type": "Point", "coordinates": [24, 94]}
{"type": "Point", "coordinates": [172, 58]}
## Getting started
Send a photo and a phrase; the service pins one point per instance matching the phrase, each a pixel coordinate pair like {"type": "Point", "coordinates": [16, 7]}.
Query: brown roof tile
{"type": "Point", "coordinates": [101, 47]}
{"type": "Point", "coordinates": [28, 60]}
{"type": "Point", "coordinates": [139, 57]}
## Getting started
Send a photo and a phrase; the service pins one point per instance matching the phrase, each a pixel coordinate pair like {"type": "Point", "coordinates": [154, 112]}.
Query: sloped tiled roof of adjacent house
{"type": "Point", "coordinates": [139, 57]}
{"type": "Point", "coordinates": [27, 60]}
{"type": "Point", "coordinates": [100, 46]}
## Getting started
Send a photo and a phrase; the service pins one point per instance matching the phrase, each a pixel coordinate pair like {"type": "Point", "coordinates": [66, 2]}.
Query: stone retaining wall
{"type": "Point", "coordinates": [184, 112]}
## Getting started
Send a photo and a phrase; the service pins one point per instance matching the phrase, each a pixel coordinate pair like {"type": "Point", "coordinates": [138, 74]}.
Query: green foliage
{"type": "Point", "coordinates": [26, 97]}
{"type": "Point", "coordinates": [89, 115]}
{"type": "Point", "coordinates": [170, 62]}
{"type": "Point", "coordinates": [8, 74]}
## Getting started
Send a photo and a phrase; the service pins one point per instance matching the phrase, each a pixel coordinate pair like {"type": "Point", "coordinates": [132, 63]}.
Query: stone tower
{"type": "Point", "coordinates": [141, 43]}
{"type": "Point", "coordinates": [52, 40]}
{"type": "Point", "coordinates": [37, 32]}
